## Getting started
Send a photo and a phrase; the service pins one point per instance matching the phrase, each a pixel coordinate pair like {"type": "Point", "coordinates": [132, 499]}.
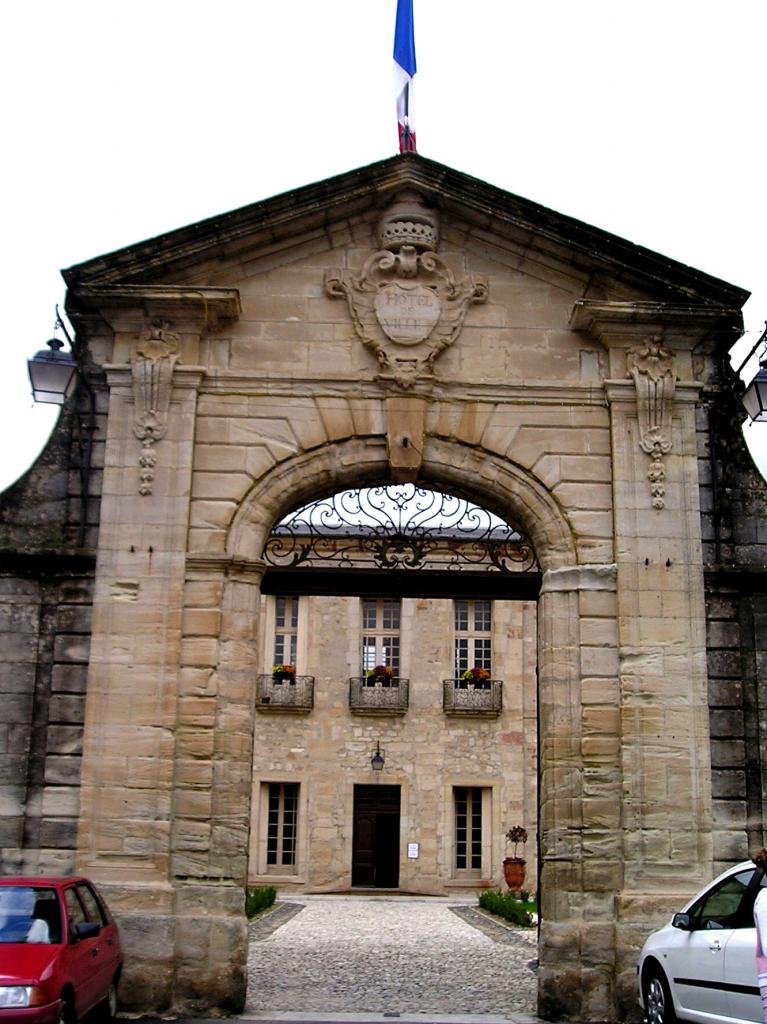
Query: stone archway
{"type": "Point", "coordinates": [191, 888]}
{"type": "Point", "coordinates": [570, 721]}
{"type": "Point", "coordinates": [494, 482]}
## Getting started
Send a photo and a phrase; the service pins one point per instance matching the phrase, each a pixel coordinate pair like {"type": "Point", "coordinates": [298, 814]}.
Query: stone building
{"type": "Point", "coordinates": [405, 729]}
{"type": "Point", "coordinates": [399, 324]}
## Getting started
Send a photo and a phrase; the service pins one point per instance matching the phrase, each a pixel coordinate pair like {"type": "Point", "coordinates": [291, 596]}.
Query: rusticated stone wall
{"type": "Point", "coordinates": [45, 638]}
{"type": "Point", "coordinates": [734, 513]}
{"type": "Point", "coordinates": [48, 531]}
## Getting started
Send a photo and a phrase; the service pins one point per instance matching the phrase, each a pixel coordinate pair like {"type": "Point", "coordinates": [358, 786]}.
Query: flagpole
{"type": "Point", "coordinates": [404, 71]}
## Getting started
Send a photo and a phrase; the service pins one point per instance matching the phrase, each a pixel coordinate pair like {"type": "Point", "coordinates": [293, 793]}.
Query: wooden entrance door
{"type": "Point", "coordinates": [375, 844]}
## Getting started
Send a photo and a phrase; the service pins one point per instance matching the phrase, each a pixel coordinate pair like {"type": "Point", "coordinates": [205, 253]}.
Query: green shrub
{"type": "Point", "coordinates": [508, 906]}
{"type": "Point", "coordinates": [259, 897]}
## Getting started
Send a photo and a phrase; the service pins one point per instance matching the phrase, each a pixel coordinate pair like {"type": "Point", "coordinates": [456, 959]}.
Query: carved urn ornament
{"type": "Point", "coordinates": [406, 304]}
{"type": "Point", "coordinates": [652, 367]}
{"type": "Point", "coordinates": [152, 371]}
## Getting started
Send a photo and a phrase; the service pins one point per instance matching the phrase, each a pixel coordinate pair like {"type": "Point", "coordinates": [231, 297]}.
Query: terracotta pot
{"type": "Point", "coordinates": [514, 873]}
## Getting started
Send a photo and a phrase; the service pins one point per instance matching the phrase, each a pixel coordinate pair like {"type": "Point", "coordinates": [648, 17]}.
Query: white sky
{"type": "Point", "coordinates": [125, 120]}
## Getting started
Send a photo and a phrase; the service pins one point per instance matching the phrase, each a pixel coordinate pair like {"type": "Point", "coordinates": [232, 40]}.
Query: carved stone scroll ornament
{"type": "Point", "coordinates": [652, 367]}
{"type": "Point", "coordinates": [152, 371]}
{"type": "Point", "coordinates": [406, 304]}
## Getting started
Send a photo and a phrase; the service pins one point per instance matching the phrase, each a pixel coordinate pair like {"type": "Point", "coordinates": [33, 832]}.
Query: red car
{"type": "Point", "coordinates": [60, 951]}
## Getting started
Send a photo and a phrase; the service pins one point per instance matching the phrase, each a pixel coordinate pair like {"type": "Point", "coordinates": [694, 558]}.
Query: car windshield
{"type": "Point", "coordinates": [29, 914]}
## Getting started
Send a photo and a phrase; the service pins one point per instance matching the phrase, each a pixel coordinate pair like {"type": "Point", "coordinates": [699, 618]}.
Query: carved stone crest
{"type": "Point", "coordinates": [152, 371]}
{"type": "Point", "coordinates": [652, 367]}
{"type": "Point", "coordinates": [405, 295]}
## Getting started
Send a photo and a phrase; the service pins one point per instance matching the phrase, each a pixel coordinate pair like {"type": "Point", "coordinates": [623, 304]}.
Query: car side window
{"type": "Point", "coordinates": [75, 912]}
{"type": "Point", "coordinates": [91, 904]}
{"type": "Point", "coordinates": [723, 907]}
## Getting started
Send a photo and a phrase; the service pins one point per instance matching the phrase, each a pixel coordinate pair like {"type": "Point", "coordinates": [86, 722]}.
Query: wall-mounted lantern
{"type": "Point", "coordinates": [54, 376]}
{"type": "Point", "coordinates": [52, 373]}
{"type": "Point", "coordinates": [377, 760]}
{"type": "Point", "coordinates": [755, 395]}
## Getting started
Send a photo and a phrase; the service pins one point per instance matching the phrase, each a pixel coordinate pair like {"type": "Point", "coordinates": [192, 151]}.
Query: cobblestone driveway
{"type": "Point", "coordinates": [377, 955]}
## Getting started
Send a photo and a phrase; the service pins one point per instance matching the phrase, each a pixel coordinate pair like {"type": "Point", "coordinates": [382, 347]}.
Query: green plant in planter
{"type": "Point", "coordinates": [258, 898]}
{"type": "Point", "coordinates": [508, 906]}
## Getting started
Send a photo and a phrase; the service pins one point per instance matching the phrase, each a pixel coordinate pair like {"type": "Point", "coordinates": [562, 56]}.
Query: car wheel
{"type": "Point", "coordinates": [66, 1013]}
{"type": "Point", "coordinates": [659, 1008]}
{"type": "Point", "coordinates": [109, 1006]}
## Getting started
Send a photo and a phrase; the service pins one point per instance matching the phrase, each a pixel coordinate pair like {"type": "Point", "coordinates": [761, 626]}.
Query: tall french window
{"type": "Point", "coordinates": [473, 625]}
{"type": "Point", "coordinates": [380, 633]}
{"type": "Point", "coordinates": [468, 828]}
{"type": "Point", "coordinates": [281, 825]}
{"type": "Point", "coordinates": [285, 630]}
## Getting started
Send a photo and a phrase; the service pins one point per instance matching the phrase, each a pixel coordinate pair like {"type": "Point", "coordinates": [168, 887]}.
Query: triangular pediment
{"type": "Point", "coordinates": [510, 222]}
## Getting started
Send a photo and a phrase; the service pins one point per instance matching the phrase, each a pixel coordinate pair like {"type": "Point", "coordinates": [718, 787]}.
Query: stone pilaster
{"type": "Point", "coordinates": [667, 807]}
{"type": "Point", "coordinates": [580, 838]}
{"type": "Point", "coordinates": [132, 714]}
{"type": "Point", "coordinates": [212, 785]}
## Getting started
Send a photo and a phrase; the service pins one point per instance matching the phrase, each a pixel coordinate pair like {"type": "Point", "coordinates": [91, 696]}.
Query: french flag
{"type": "Point", "coordinates": [404, 72]}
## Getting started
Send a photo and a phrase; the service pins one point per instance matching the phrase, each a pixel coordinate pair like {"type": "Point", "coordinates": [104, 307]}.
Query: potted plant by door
{"type": "Point", "coordinates": [514, 867]}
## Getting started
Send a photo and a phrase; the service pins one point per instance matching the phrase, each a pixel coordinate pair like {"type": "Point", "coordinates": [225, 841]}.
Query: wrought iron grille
{"type": "Point", "coordinates": [398, 527]}
{"type": "Point", "coordinates": [284, 693]}
{"type": "Point", "coordinates": [378, 697]}
{"type": "Point", "coordinates": [483, 698]}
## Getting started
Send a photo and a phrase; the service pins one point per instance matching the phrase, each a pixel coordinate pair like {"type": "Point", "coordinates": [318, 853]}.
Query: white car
{"type": "Point", "coordinates": [701, 966]}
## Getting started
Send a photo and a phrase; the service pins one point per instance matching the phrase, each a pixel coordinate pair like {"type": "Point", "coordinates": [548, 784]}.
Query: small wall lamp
{"type": "Point", "coordinates": [755, 395]}
{"type": "Point", "coordinates": [377, 760]}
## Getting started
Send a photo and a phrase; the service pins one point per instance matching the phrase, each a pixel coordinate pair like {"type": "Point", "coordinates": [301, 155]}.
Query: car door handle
{"type": "Point", "coordinates": [95, 951]}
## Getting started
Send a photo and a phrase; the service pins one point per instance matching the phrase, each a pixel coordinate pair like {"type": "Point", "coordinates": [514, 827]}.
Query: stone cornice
{"type": "Point", "coordinates": [685, 391]}
{"type": "Point", "coordinates": [538, 393]}
{"type": "Point", "coordinates": [218, 382]}
{"type": "Point", "coordinates": [621, 324]}
{"type": "Point", "coordinates": [190, 377]}
{"type": "Point", "coordinates": [129, 307]}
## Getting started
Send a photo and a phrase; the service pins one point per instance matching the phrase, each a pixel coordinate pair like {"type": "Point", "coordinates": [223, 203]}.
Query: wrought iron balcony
{"type": "Point", "coordinates": [482, 698]}
{"type": "Point", "coordinates": [369, 696]}
{"type": "Point", "coordinates": [285, 693]}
